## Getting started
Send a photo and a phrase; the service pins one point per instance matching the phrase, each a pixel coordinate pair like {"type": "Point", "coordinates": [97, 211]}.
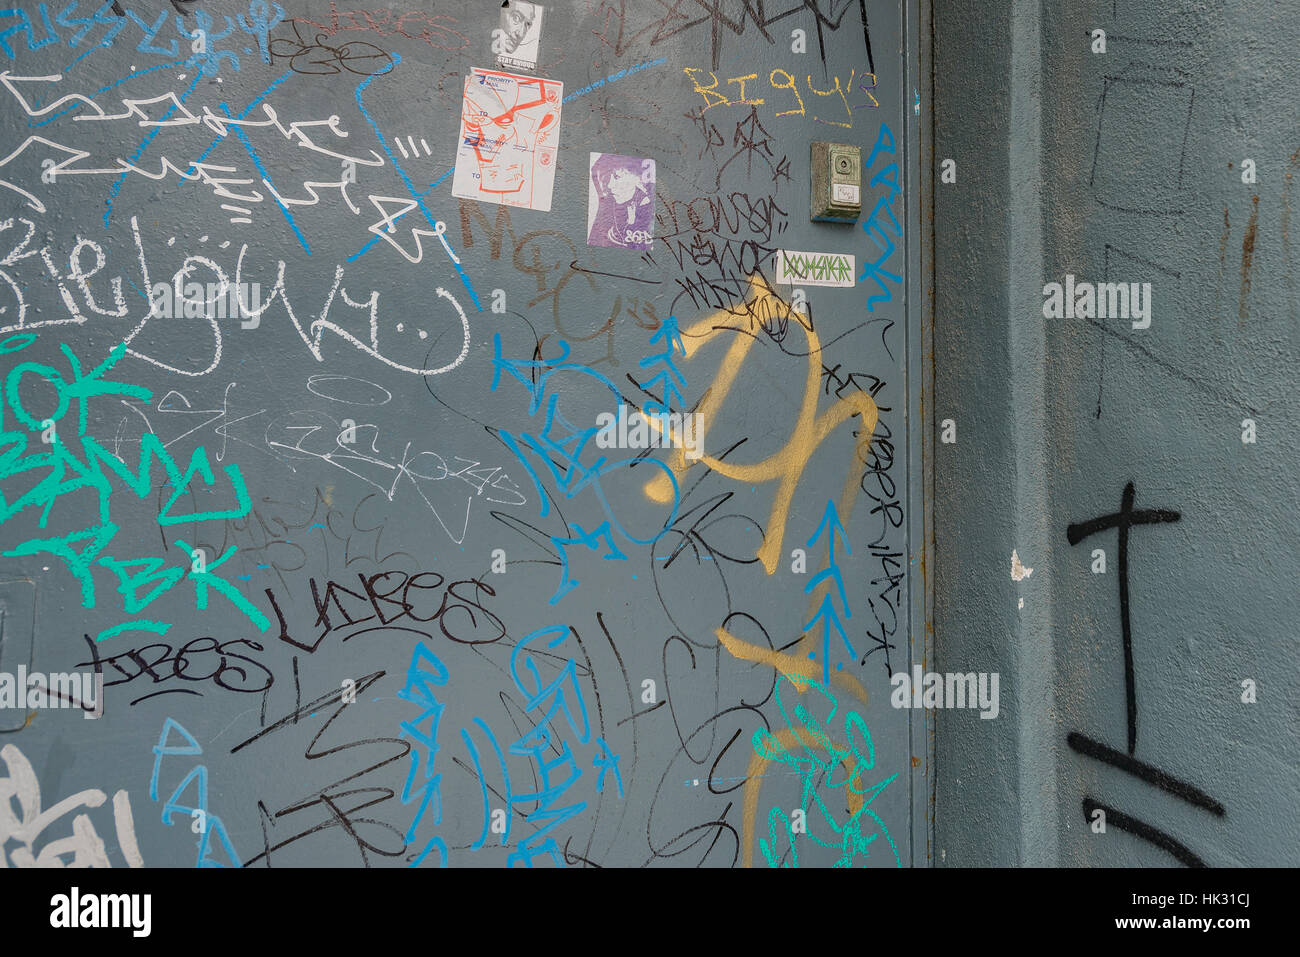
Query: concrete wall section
{"type": "Point", "coordinates": [1142, 464]}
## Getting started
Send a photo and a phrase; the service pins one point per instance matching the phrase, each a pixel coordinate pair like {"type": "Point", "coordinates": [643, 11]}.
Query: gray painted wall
{"type": "Point", "coordinates": [1122, 166]}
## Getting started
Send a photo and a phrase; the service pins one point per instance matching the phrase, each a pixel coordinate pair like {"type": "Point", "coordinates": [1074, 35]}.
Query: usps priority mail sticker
{"type": "Point", "coordinates": [509, 136]}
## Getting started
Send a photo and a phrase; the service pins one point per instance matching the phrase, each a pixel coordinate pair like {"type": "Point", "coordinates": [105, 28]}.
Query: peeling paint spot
{"type": "Point", "coordinates": [1018, 571]}
{"type": "Point", "coordinates": [1247, 259]}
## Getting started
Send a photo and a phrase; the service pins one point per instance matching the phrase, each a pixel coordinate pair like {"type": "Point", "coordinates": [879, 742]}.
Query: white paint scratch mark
{"type": "Point", "coordinates": [1018, 571]}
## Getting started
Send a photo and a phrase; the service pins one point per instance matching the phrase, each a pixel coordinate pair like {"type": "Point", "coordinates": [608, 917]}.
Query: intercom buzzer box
{"type": "Point", "coordinates": [836, 183]}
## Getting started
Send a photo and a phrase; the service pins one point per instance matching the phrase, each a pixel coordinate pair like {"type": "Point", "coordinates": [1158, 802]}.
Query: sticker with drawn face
{"type": "Point", "coordinates": [509, 135]}
{"type": "Point", "coordinates": [621, 201]}
{"type": "Point", "coordinates": [519, 35]}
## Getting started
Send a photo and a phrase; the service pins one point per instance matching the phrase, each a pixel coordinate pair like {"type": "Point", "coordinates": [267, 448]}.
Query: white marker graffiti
{"type": "Point", "coordinates": [26, 828]}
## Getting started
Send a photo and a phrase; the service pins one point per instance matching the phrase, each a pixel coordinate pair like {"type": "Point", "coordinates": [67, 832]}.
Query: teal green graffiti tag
{"type": "Point", "coordinates": [54, 461]}
{"type": "Point", "coordinates": [805, 746]}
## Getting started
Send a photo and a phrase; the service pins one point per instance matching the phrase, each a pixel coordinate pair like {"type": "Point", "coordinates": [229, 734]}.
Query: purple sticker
{"type": "Point", "coordinates": [621, 202]}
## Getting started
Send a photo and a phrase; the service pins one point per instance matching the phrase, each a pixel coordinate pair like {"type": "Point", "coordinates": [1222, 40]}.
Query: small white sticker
{"type": "Point", "coordinates": [814, 269]}
{"type": "Point", "coordinates": [845, 193]}
{"type": "Point", "coordinates": [517, 39]}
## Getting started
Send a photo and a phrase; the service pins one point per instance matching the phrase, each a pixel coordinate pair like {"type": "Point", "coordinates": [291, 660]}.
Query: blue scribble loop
{"type": "Point", "coordinates": [881, 234]}
{"type": "Point", "coordinates": [201, 41]}
{"type": "Point", "coordinates": [560, 446]}
{"type": "Point", "coordinates": [262, 17]}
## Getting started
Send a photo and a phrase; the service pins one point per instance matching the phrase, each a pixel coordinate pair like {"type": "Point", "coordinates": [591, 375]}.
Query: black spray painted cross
{"type": "Point", "coordinates": [1123, 521]}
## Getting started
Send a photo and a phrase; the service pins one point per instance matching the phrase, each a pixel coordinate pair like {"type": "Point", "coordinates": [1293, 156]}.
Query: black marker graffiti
{"type": "Point", "coordinates": [161, 662]}
{"type": "Point", "coordinates": [680, 16]}
{"type": "Point", "coordinates": [316, 57]}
